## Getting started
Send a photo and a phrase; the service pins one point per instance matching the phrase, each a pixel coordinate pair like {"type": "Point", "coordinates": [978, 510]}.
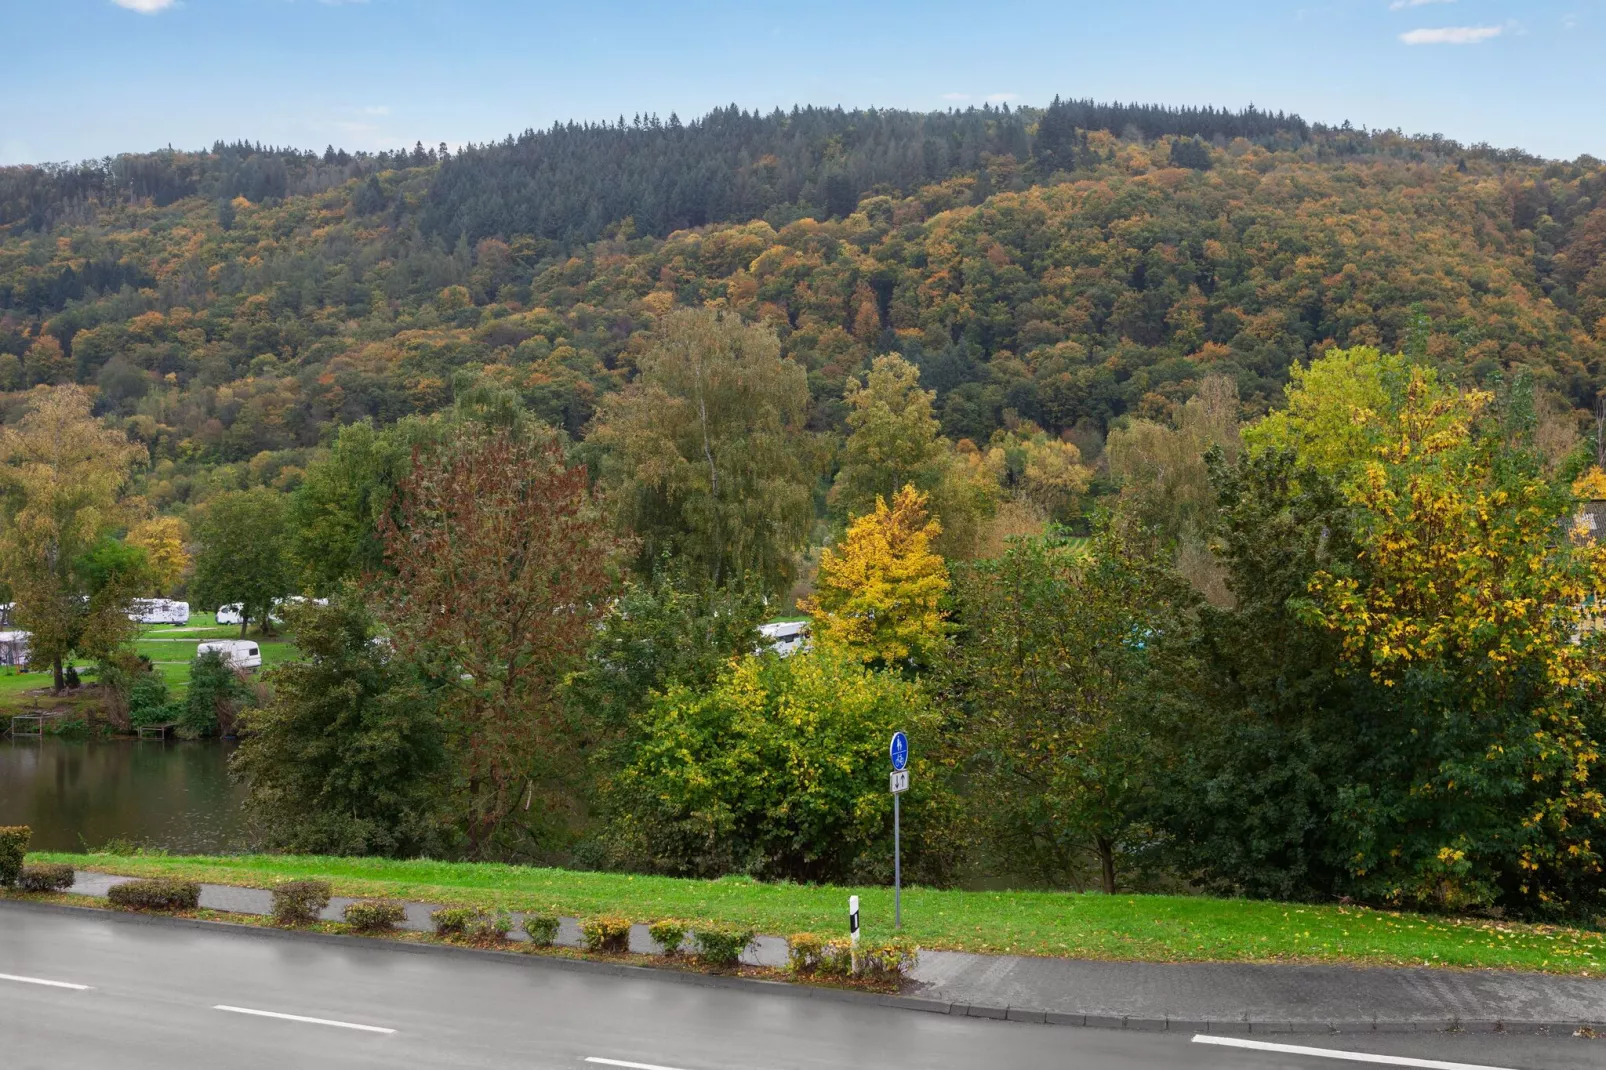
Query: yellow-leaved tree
{"type": "Point", "coordinates": [879, 593]}
{"type": "Point", "coordinates": [162, 538]}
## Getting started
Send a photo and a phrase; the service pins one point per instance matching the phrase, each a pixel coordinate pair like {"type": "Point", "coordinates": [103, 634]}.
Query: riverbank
{"type": "Point", "coordinates": [1135, 928]}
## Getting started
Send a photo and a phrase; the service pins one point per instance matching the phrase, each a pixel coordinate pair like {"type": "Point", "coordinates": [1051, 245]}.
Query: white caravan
{"type": "Point", "coordinates": [14, 648]}
{"type": "Point", "coordinates": [786, 638]}
{"type": "Point", "coordinates": [233, 613]}
{"type": "Point", "coordinates": [159, 611]}
{"type": "Point", "coordinates": [237, 653]}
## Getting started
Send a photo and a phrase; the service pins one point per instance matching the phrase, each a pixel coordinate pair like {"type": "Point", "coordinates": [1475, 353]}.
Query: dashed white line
{"type": "Point", "coordinates": [42, 981]}
{"type": "Point", "coordinates": [627, 1066]}
{"type": "Point", "coordinates": [1346, 1056]}
{"type": "Point", "coordinates": [302, 1018]}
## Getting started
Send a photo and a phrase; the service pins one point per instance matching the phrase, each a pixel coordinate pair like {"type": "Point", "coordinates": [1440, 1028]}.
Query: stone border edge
{"type": "Point", "coordinates": [1239, 1027]}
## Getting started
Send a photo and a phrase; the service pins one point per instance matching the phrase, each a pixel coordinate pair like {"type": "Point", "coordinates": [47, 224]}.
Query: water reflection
{"type": "Point", "coordinates": [171, 795]}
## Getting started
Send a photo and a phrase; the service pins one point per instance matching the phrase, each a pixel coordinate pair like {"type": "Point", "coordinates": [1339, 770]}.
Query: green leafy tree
{"type": "Point", "coordinates": [706, 456]}
{"type": "Point", "coordinates": [346, 757]}
{"type": "Point", "coordinates": [217, 692]}
{"type": "Point", "coordinates": [893, 441]}
{"type": "Point", "coordinates": [1054, 644]}
{"type": "Point", "coordinates": [336, 512]}
{"type": "Point", "coordinates": [243, 556]}
{"type": "Point", "coordinates": [779, 770]}
{"type": "Point", "coordinates": [659, 633]}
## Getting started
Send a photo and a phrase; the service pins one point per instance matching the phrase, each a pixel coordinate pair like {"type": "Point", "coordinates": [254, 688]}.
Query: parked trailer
{"type": "Point", "coordinates": [237, 653]}
{"type": "Point", "coordinates": [786, 638]}
{"type": "Point", "coordinates": [159, 611]}
{"type": "Point", "coordinates": [14, 648]}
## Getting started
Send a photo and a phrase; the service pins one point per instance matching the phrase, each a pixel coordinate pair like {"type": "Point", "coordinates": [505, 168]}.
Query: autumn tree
{"type": "Point", "coordinates": [1466, 605]}
{"type": "Point", "coordinates": [243, 557]}
{"type": "Point", "coordinates": [63, 474]}
{"type": "Point", "coordinates": [705, 455]}
{"type": "Point", "coordinates": [162, 538]}
{"type": "Point", "coordinates": [499, 566]}
{"type": "Point", "coordinates": [879, 593]}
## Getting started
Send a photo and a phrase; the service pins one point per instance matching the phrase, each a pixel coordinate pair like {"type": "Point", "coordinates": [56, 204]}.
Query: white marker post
{"type": "Point", "coordinates": [853, 931]}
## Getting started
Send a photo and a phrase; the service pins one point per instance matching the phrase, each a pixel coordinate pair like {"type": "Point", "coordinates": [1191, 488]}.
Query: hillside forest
{"type": "Point", "coordinates": [1205, 491]}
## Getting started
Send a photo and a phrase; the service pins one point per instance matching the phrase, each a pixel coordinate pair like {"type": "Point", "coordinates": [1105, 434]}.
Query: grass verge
{"type": "Point", "coordinates": [1121, 927]}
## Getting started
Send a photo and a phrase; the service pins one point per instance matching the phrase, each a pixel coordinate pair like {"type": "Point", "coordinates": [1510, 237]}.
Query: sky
{"type": "Point", "coordinates": [90, 78]}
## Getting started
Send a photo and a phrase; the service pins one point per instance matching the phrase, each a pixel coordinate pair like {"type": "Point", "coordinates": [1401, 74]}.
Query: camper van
{"type": "Point", "coordinates": [159, 611]}
{"type": "Point", "coordinates": [786, 638]}
{"type": "Point", "coordinates": [232, 613]}
{"type": "Point", "coordinates": [14, 648]}
{"type": "Point", "coordinates": [237, 653]}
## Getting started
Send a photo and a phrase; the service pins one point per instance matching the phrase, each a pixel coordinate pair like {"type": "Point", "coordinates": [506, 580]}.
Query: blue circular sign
{"type": "Point", "coordinates": [900, 750]}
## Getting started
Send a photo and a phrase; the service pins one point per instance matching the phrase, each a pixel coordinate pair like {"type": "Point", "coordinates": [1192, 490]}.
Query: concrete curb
{"type": "Point", "coordinates": [1239, 1027]}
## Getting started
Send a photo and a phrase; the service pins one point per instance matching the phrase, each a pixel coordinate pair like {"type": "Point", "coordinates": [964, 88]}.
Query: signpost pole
{"type": "Point", "coordinates": [899, 753]}
{"type": "Point", "coordinates": [897, 866]}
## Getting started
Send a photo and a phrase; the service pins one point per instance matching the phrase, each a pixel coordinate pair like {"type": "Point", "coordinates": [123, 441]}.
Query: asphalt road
{"type": "Point", "coordinates": [159, 996]}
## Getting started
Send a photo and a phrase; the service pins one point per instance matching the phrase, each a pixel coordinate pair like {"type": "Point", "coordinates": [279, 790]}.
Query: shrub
{"type": "Point", "coordinates": [887, 960]}
{"type": "Point", "coordinates": [721, 946]}
{"type": "Point", "coordinates": [46, 877]}
{"type": "Point", "coordinates": [542, 929]}
{"type": "Point", "coordinates": [669, 935]}
{"type": "Point", "coordinates": [452, 921]}
{"type": "Point", "coordinates": [803, 951]}
{"type": "Point", "coordinates": [471, 924]}
{"type": "Point", "coordinates": [375, 915]}
{"type": "Point", "coordinates": [300, 902]}
{"type": "Point", "coordinates": [13, 848]}
{"type": "Point", "coordinates": [606, 932]}
{"type": "Point", "coordinates": [156, 893]}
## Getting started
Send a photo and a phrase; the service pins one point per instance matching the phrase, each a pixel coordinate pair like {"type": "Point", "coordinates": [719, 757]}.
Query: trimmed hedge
{"type": "Point", "coordinates": [156, 893]}
{"type": "Point", "coordinates": [669, 935]}
{"type": "Point", "coordinates": [472, 924]}
{"type": "Point", "coordinates": [542, 929]}
{"type": "Point", "coordinates": [300, 902]}
{"type": "Point", "coordinates": [606, 933]}
{"type": "Point", "coordinates": [46, 877]}
{"type": "Point", "coordinates": [721, 947]}
{"type": "Point", "coordinates": [13, 849]}
{"type": "Point", "coordinates": [375, 915]}
{"type": "Point", "coordinates": [452, 921]}
{"type": "Point", "coordinates": [888, 960]}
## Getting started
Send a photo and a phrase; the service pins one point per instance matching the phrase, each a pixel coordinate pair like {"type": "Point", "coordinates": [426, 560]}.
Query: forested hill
{"type": "Point", "coordinates": [1071, 266]}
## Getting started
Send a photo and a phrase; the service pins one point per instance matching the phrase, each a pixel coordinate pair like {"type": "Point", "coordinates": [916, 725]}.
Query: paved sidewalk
{"type": "Point", "coordinates": [1236, 997]}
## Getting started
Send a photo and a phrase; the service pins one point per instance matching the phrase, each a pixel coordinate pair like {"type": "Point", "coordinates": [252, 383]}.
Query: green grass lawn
{"type": "Point", "coordinates": [1151, 928]}
{"type": "Point", "coordinates": [171, 649]}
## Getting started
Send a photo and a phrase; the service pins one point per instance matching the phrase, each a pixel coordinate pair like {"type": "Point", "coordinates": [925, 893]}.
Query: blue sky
{"type": "Point", "coordinates": [87, 78]}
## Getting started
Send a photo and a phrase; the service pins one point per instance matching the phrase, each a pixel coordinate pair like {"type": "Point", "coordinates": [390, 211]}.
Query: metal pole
{"type": "Point", "coordinates": [897, 865]}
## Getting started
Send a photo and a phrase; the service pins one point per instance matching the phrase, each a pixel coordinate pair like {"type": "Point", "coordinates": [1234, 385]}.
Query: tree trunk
{"type": "Point", "coordinates": [245, 621]}
{"type": "Point", "coordinates": [61, 677]}
{"type": "Point", "coordinates": [1107, 863]}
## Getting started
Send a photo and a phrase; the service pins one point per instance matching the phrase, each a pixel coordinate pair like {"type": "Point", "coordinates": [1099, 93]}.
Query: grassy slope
{"type": "Point", "coordinates": [1154, 928]}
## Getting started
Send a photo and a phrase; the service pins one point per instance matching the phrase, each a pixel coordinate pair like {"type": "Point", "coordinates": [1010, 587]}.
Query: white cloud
{"type": "Point", "coordinates": [377, 109]}
{"type": "Point", "coordinates": [1452, 35]}
{"type": "Point", "coordinates": [145, 7]}
{"type": "Point", "coordinates": [1401, 5]}
{"type": "Point", "coordinates": [956, 96]}
{"type": "Point", "coordinates": [999, 98]}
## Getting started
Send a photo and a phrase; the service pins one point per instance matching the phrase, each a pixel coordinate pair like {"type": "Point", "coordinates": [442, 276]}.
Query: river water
{"type": "Point", "coordinates": [74, 795]}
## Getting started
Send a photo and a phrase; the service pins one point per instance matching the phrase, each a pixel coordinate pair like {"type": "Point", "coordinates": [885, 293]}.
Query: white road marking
{"type": "Point", "coordinates": [1347, 1056]}
{"type": "Point", "coordinates": [41, 981]}
{"type": "Point", "coordinates": [627, 1066]}
{"type": "Point", "coordinates": [303, 1018]}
